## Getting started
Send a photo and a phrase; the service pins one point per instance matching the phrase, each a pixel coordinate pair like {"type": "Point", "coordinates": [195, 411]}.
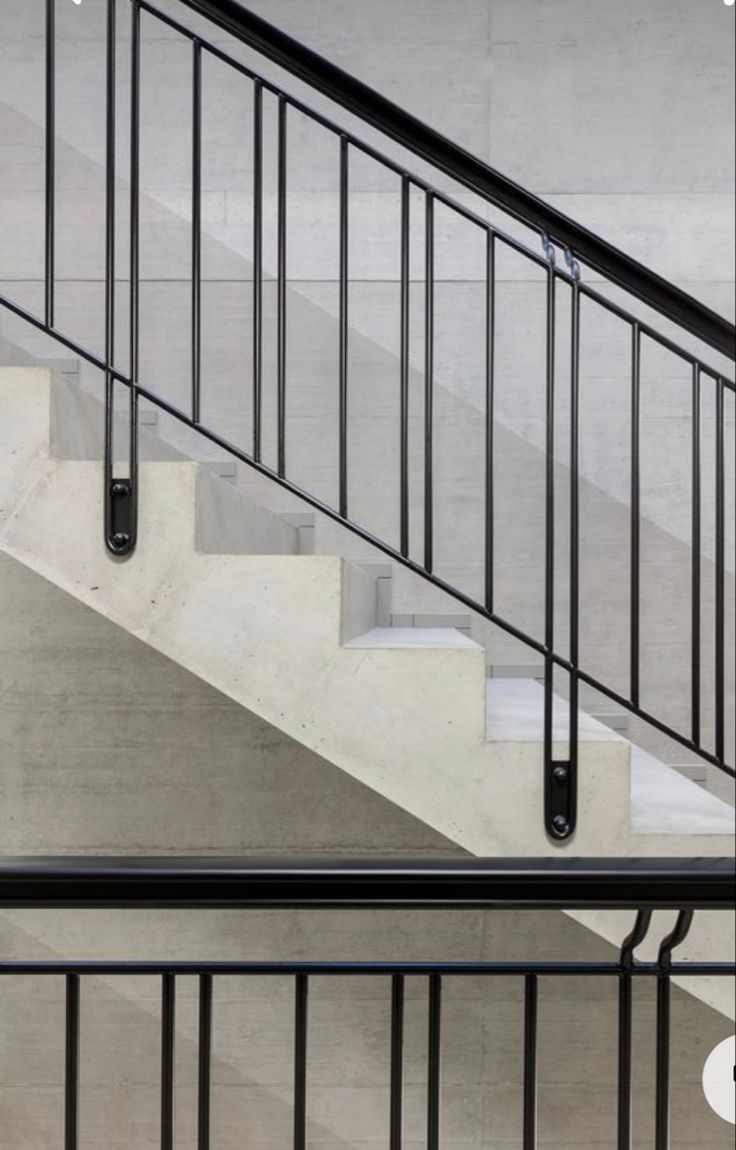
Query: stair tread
{"type": "Point", "coordinates": [514, 713]}
{"type": "Point", "coordinates": [403, 637]}
{"type": "Point", "coordinates": [665, 802]}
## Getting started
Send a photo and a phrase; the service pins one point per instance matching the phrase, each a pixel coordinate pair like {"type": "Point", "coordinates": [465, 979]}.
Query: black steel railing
{"type": "Point", "coordinates": [684, 885]}
{"type": "Point", "coordinates": [429, 145]}
{"type": "Point", "coordinates": [560, 653]}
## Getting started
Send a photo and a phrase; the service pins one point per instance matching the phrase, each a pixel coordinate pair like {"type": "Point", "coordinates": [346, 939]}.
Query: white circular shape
{"type": "Point", "coordinates": [728, 3]}
{"type": "Point", "coordinates": [718, 1079]}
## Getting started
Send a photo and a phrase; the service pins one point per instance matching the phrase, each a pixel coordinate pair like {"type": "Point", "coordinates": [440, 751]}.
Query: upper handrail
{"type": "Point", "coordinates": [369, 105]}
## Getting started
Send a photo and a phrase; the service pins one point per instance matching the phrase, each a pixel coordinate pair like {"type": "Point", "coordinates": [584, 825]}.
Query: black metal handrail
{"type": "Point", "coordinates": [413, 134]}
{"type": "Point", "coordinates": [543, 883]}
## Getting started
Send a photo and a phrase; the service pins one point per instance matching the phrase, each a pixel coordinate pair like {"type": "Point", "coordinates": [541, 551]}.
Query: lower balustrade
{"type": "Point", "coordinates": [643, 886]}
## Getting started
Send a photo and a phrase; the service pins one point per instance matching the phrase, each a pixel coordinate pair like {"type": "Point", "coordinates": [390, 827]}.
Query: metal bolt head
{"type": "Point", "coordinates": [559, 774]}
{"type": "Point", "coordinates": [559, 822]}
{"type": "Point", "coordinates": [119, 488]}
{"type": "Point", "coordinates": [119, 540]}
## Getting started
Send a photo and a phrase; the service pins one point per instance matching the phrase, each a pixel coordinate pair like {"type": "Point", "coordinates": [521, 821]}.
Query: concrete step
{"type": "Point", "coordinates": [413, 638]}
{"type": "Point", "coordinates": [514, 709]}
{"type": "Point", "coordinates": [662, 800]}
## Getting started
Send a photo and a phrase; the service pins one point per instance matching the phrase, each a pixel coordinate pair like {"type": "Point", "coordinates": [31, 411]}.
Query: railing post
{"type": "Point", "coordinates": [429, 383]}
{"type": "Point", "coordinates": [196, 319]}
{"type": "Point", "coordinates": [720, 595]}
{"type": "Point", "coordinates": [664, 961]}
{"type": "Point", "coordinates": [490, 325]}
{"type": "Point", "coordinates": [635, 516]}
{"type": "Point", "coordinates": [110, 135]}
{"type": "Point", "coordinates": [300, 1061]}
{"type": "Point", "coordinates": [574, 608]}
{"type": "Point", "coordinates": [559, 775]}
{"type": "Point", "coordinates": [257, 265]}
{"type": "Point", "coordinates": [343, 321]}
{"type": "Point", "coordinates": [396, 1120]}
{"type": "Point", "coordinates": [205, 1062]}
{"type": "Point", "coordinates": [50, 164]}
{"type": "Point", "coordinates": [695, 545]}
{"type": "Point", "coordinates": [281, 225]}
{"type": "Point", "coordinates": [168, 1024]}
{"type": "Point", "coordinates": [625, 1006]}
{"type": "Point", "coordinates": [71, 1076]}
{"type": "Point", "coordinates": [121, 494]}
{"type": "Point", "coordinates": [434, 1062]}
{"type": "Point", "coordinates": [531, 991]}
{"type": "Point", "coordinates": [404, 366]}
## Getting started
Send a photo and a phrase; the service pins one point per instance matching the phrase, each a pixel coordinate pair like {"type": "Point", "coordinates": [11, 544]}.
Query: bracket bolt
{"type": "Point", "coordinates": [559, 774]}
{"type": "Point", "coordinates": [119, 540]}
{"type": "Point", "coordinates": [559, 822]}
{"type": "Point", "coordinates": [119, 488]}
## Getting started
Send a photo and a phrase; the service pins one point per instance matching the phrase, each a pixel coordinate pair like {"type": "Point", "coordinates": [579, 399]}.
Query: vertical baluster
{"type": "Point", "coordinates": [205, 1061]}
{"type": "Point", "coordinates": [109, 259]}
{"type": "Point", "coordinates": [168, 1017]}
{"type": "Point", "coordinates": [434, 1061]}
{"type": "Point", "coordinates": [396, 1121]}
{"type": "Point", "coordinates": [300, 1062]}
{"type": "Point", "coordinates": [624, 1061]}
{"type": "Point", "coordinates": [662, 1102]}
{"type": "Point", "coordinates": [404, 368]}
{"type": "Point", "coordinates": [574, 536]}
{"type": "Point", "coordinates": [281, 290]}
{"type": "Point", "coordinates": [50, 164]}
{"type": "Point", "coordinates": [530, 1062]}
{"type": "Point", "coordinates": [625, 1003]}
{"type": "Point", "coordinates": [344, 191]}
{"type": "Point", "coordinates": [635, 525]}
{"type": "Point", "coordinates": [429, 383]}
{"type": "Point", "coordinates": [662, 1124]}
{"type": "Point", "coordinates": [695, 573]}
{"type": "Point", "coordinates": [549, 521]}
{"type": "Point", "coordinates": [720, 613]}
{"type": "Point", "coordinates": [127, 539]}
{"type": "Point", "coordinates": [257, 263]}
{"type": "Point", "coordinates": [135, 83]}
{"type": "Point", "coordinates": [490, 409]}
{"type": "Point", "coordinates": [110, 185]}
{"type": "Point", "coordinates": [196, 318]}
{"type": "Point", "coordinates": [71, 1073]}
{"type": "Point", "coordinates": [677, 935]}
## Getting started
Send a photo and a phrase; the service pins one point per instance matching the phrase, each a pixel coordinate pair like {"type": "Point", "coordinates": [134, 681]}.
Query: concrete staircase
{"type": "Point", "coordinates": [219, 584]}
{"type": "Point", "coordinates": [374, 374]}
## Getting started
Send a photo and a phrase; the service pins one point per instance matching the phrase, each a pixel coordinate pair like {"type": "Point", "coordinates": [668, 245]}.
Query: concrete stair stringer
{"type": "Point", "coordinates": [267, 631]}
